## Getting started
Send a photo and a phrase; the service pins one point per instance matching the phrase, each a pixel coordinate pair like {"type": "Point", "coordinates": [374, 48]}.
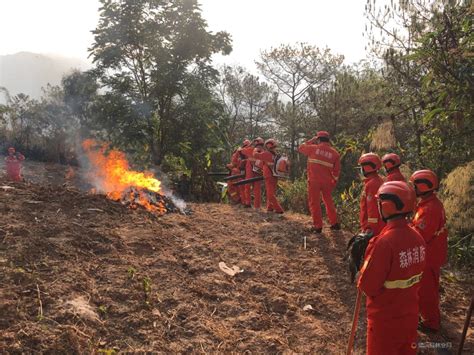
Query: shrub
{"type": "Point", "coordinates": [294, 195]}
{"type": "Point", "coordinates": [348, 206]}
{"type": "Point", "coordinates": [458, 198]}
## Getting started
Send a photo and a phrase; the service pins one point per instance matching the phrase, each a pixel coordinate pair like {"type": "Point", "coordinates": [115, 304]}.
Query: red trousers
{"type": "Point", "coordinates": [241, 193]}
{"type": "Point", "coordinates": [270, 187]}
{"type": "Point", "coordinates": [392, 337]}
{"type": "Point", "coordinates": [257, 194]}
{"type": "Point", "coordinates": [315, 189]}
{"type": "Point", "coordinates": [233, 192]}
{"type": "Point", "coordinates": [429, 297]}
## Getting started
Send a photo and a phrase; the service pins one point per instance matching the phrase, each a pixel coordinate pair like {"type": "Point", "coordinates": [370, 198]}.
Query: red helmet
{"type": "Point", "coordinates": [270, 143]}
{"type": "Point", "coordinates": [424, 181]}
{"type": "Point", "coordinates": [323, 134]}
{"type": "Point", "coordinates": [390, 161]}
{"type": "Point", "coordinates": [258, 141]}
{"type": "Point", "coordinates": [370, 162]}
{"type": "Point", "coordinates": [11, 150]}
{"type": "Point", "coordinates": [396, 198]}
{"type": "Point", "coordinates": [246, 143]}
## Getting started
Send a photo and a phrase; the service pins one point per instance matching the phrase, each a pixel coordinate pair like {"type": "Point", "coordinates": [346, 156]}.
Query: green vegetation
{"type": "Point", "coordinates": [155, 93]}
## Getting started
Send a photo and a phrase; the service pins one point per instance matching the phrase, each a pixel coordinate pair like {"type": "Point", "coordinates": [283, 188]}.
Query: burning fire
{"type": "Point", "coordinates": [111, 174]}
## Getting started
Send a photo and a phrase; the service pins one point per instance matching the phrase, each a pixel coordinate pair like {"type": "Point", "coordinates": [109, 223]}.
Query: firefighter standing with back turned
{"type": "Point", "coordinates": [234, 168]}
{"type": "Point", "coordinates": [238, 163]}
{"type": "Point", "coordinates": [430, 222]}
{"type": "Point", "coordinates": [252, 170]}
{"type": "Point", "coordinates": [271, 182]}
{"type": "Point", "coordinates": [323, 170]}
{"type": "Point", "coordinates": [369, 215]}
{"type": "Point", "coordinates": [391, 273]}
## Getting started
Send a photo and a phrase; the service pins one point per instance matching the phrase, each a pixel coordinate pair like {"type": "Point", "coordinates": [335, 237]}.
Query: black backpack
{"type": "Point", "coordinates": [355, 252]}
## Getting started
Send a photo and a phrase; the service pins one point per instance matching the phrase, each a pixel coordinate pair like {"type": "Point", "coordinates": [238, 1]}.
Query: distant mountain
{"type": "Point", "coordinates": [27, 73]}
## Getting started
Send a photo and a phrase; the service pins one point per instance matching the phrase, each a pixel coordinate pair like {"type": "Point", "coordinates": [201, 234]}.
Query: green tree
{"type": "Point", "coordinates": [144, 50]}
{"type": "Point", "coordinates": [296, 71]}
{"type": "Point", "coordinates": [246, 101]}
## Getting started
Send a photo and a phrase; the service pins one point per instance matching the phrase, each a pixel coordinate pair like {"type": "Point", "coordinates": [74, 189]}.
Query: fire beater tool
{"type": "Point", "coordinates": [466, 326]}
{"type": "Point", "coordinates": [234, 177]}
{"type": "Point", "coordinates": [248, 181]}
{"type": "Point", "coordinates": [355, 320]}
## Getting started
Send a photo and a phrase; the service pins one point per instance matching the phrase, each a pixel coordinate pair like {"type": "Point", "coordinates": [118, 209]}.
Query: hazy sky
{"type": "Point", "coordinates": [63, 26]}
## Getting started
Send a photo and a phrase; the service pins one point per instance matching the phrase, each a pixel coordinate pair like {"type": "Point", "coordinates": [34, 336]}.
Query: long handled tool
{"type": "Point", "coordinates": [248, 181]}
{"type": "Point", "coordinates": [466, 326]}
{"type": "Point", "coordinates": [233, 177]}
{"type": "Point", "coordinates": [218, 173]}
{"type": "Point", "coordinates": [355, 320]}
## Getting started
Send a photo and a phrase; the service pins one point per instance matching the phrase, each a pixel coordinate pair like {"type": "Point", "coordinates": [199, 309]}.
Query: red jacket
{"type": "Point", "coordinates": [430, 222]}
{"type": "Point", "coordinates": [395, 175]}
{"type": "Point", "coordinates": [390, 275]}
{"type": "Point", "coordinates": [324, 164]}
{"type": "Point", "coordinates": [369, 216]}
{"type": "Point", "coordinates": [238, 160]}
{"type": "Point", "coordinates": [250, 161]}
{"type": "Point", "coordinates": [268, 158]}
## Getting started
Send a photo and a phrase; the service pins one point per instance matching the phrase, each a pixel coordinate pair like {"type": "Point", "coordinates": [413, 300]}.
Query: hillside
{"type": "Point", "coordinates": [27, 73]}
{"type": "Point", "coordinates": [80, 273]}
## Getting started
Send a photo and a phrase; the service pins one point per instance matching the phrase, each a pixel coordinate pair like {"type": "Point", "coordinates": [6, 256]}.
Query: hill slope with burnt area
{"type": "Point", "coordinates": [80, 273]}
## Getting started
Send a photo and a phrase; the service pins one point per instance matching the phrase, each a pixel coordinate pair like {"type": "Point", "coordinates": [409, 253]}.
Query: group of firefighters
{"type": "Point", "coordinates": [401, 268]}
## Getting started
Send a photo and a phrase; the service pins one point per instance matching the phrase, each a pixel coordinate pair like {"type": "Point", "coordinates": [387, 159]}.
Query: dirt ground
{"type": "Point", "coordinates": [83, 274]}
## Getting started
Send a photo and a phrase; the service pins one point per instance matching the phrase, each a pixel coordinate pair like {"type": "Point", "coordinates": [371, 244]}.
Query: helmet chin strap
{"type": "Point", "coordinates": [392, 168]}
{"type": "Point", "coordinates": [393, 216]}
{"type": "Point", "coordinates": [423, 194]}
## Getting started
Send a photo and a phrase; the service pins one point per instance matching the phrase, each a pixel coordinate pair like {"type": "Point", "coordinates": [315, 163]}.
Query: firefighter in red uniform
{"type": "Point", "coordinates": [238, 164]}
{"type": "Point", "coordinates": [252, 170]}
{"type": "Point", "coordinates": [245, 191]}
{"type": "Point", "coordinates": [13, 164]}
{"type": "Point", "coordinates": [369, 215]}
{"type": "Point", "coordinates": [233, 190]}
{"type": "Point", "coordinates": [323, 168]}
{"type": "Point", "coordinates": [391, 273]}
{"type": "Point", "coordinates": [430, 222]}
{"type": "Point", "coordinates": [391, 163]}
{"type": "Point", "coordinates": [271, 182]}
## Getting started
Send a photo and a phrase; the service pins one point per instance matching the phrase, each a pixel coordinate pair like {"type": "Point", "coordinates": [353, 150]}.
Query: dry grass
{"type": "Point", "coordinates": [383, 137]}
{"type": "Point", "coordinates": [458, 193]}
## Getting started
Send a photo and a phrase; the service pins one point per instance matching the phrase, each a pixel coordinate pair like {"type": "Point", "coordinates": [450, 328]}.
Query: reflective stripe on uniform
{"type": "Point", "coordinates": [372, 220]}
{"type": "Point", "coordinates": [403, 283]}
{"type": "Point", "coordinates": [320, 162]}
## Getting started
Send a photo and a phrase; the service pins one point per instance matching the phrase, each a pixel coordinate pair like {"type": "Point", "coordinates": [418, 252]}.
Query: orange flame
{"type": "Point", "coordinates": [111, 174]}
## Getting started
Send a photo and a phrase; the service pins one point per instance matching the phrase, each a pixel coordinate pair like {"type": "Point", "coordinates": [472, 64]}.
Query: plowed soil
{"type": "Point", "coordinates": [83, 274]}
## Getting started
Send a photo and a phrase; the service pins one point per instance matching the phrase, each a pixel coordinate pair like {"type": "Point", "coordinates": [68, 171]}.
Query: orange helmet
{"type": "Point", "coordinates": [322, 134]}
{"type": "Point", "coordinates": [270, 143]}
{"type": "Point", "coordinates": [11, 150]}
{"type": "Point", "coordinates": [246, 143]}
{"type": "Point", "coordinates": [370, 162]}
{"type": "Point", "coordinates": [395, 198]}
{"type": "Point", "coordinates": [391, 161]}
{"type": "Point", "coordinates": [258, 141]}
{"type": "Point", "coordinates": [424, 181]}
